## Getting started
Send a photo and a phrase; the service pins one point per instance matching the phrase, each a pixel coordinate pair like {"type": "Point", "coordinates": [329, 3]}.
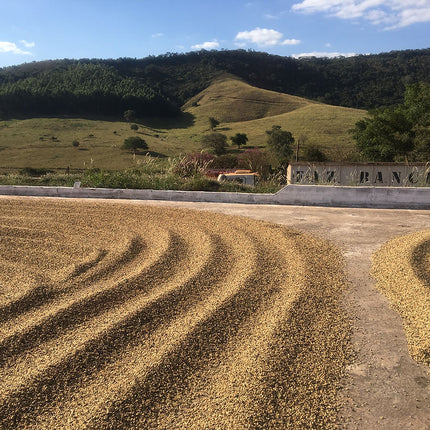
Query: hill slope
{"type": "Point", "coordinates": [229, 99]}
{"type": "Point", "coordinates": [240, 107]}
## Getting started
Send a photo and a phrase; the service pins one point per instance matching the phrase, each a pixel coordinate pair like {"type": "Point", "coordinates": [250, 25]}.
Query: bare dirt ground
{"type": "Point", "coordinates": [384, 388]}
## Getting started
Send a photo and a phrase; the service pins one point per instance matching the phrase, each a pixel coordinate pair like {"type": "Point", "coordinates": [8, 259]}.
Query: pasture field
{"type": "Point", "coordinates": [240, 108]}
{"type": "Point", "coordinates": [129, 316]}
{"type": "Point", "coordinates": [402, 271]}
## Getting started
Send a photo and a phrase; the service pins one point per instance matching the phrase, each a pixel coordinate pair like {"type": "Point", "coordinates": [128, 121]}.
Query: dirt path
{"type": "Point", "coordinates": [386, 388]}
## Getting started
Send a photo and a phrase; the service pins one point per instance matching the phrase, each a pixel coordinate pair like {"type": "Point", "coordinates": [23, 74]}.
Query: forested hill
{"type": "Point", "coordinates": [160, 85]}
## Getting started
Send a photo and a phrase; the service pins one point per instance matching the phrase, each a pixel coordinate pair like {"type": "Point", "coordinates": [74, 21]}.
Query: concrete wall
{"type": "Point", "coordinates": [301, 195]}
{"type": "Point", "coordinates": [363, 174]}
{"type": "Point", "coordinates": [364, 197]}
{"type": "Point", "coordinates": [109, 193]}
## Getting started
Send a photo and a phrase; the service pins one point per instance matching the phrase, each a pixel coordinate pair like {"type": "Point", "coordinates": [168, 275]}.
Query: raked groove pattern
{"type": "Point", "coordinates": [121, 316]}
{"type": "Point", "coordinates": [401, 268]}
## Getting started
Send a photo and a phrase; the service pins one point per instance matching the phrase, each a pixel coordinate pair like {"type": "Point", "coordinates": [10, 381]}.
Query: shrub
{"type": "Point", "coordinates": [201, 183]}
{"type": "Point", "coordinates": [129, 115]}
{"type": "Point", "coordinates": [134, 126]}
{"type": "Point", "coordinates": [255, 160]}
{"type": "Point", "coordinates": [119, 179]}
{"type": "Point", "coordinates": [75, 143]}
{"type": "Point", "coordinates": [313, 153]}
{"type": "Point", "coordinates": [215, 141]}
{"type": "Point", "coordinates": [225, 161]}
{"type": "Point", "coordinates": [34, 171]}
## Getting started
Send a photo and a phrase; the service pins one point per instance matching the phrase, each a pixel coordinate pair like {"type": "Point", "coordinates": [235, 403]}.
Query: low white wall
{"type": "Point", "coordinates": [364, 197]}
{"type": "Point", "coordinates": [110, 193]}
{"type": "Point", "coordinates": [301, 195]}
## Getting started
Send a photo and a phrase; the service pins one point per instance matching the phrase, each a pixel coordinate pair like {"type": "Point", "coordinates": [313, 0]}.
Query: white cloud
{"type": "Point", "coordinates": [206, 45]}
{"type": "Point", "coordinates": [378, 17]}
{"type": "Point", "coordinates": [10, 47]}
{"type": "Point", "coordinates": [264, 37]}
{"type": "Point", "coordinates": [390, 13]}
{"type": "Point", "coordinates": [155, 35]}
{"type": "Point", "coordinates": [324, 54]}
{"type": "Point", "coordinates": [27, 44]}
{"type": "Point", "coordinates": [291, 42]}
{"type": "Point", "coordinates": [270, 16]}
{"type": "Point", "coordinates": [412, 16]}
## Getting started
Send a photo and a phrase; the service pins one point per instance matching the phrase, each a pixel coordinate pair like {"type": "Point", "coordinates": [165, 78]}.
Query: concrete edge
{"type": "Point", "coordinates": [297, 195]}
{"type": "Point", "coordinates": [361, 197]}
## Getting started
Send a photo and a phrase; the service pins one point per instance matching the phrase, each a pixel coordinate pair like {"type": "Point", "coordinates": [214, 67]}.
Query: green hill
{"type": "Point", "coordinates": [231, 100]}
{"type": "Point", "coordinates": [160, 85]}
{"type": "Point", "coordinates": [240, 108]}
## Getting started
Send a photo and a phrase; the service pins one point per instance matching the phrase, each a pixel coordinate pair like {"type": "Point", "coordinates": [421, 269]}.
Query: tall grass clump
{"type": "Point", "coordinates": [191, 165]}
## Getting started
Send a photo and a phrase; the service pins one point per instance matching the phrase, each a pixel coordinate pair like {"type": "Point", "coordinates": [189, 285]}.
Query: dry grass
{"type": "Point", "coordinates": [125, 316]}
{"type": "Point", "coordinates": [231, 100]}
{"type": "Point", "coordinates": [241, 108]}
{"type": "Point", "coordinates": [318, 124]}
{"type": "Point", "coordinates": [48, 143]}
{"type": "Point", "coordinates": [402, 270]}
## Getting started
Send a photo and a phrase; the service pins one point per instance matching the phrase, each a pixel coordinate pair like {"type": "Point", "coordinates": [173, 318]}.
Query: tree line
{"type": "Point", "coordinates": [81, 89]}
{"type": "Point", "coordinates": [397, 133]}
{"type": "Point", "coordinates": [159, 85]}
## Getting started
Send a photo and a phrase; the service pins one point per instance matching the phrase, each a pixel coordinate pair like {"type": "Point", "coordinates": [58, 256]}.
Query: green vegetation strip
{"type": "Point", "coordinates": [401, 268]}
{"type": "Point", "coordinates": [136, 179]}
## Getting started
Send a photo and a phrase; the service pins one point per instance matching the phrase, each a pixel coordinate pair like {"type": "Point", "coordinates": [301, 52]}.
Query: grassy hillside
{"type": "Point", "coordinates": [47, 142]}
{"type": "Point", "coordinates": [231, 100]}
{"type": "Point", "coordinates": [246, 109]}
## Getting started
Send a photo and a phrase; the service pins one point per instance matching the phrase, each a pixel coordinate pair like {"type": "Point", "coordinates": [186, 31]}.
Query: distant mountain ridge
{"type": "Point", "coordinates": [161, 85]}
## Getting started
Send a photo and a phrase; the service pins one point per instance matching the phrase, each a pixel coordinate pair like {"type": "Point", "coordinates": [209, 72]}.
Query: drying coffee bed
{"type": "Point", "coordinates": [402, 270]}
{"type": "Point", "coordinates": [138, 317]}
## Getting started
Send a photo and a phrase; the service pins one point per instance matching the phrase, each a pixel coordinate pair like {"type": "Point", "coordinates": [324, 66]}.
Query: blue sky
{"type": "Point", "coordinates": [50, 29]}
